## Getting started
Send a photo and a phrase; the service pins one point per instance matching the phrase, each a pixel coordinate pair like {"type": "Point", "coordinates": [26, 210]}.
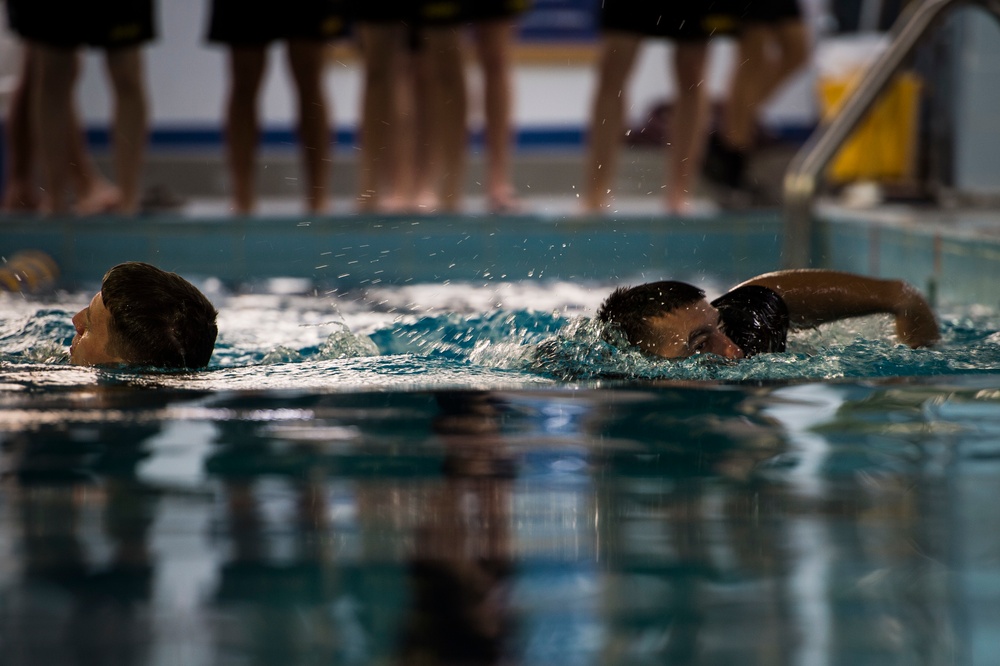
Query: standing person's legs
{"type": "Point", "coordinates": [618, 51]}
{"type": "Point", "coordinates": [246, 71]}
{"type": "Point", "coordinates": [131, 114]}
{"type": "Point", "coordinates": [768, 55]}
{"type": "Point", "coordinates": [94, 193]}
{"type": "Point", "coordinates": [443, 117]}
{"type": "Point", "coordinates": [20, 192]}
{"type": "Point", "coordinates": [690, 123]}
{"type": "Point", "coordinates": [386, 167]}
{"type": "Point", "coordinates": [305, 60]}
{"type": "Point", "coordinates": [494, 40]}
{"type": "Point", "coordinates": [54, 74]}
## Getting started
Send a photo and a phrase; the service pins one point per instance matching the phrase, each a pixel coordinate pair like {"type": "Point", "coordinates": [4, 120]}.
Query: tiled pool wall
{"type": "Point", "coordinates": [954, 265]}
{"type": "Point", "coordinates": [356, 251]}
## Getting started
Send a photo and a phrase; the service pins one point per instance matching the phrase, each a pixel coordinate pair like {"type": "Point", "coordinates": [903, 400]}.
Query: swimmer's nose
{"type": "Point", "coordinates": [721, 345]}
{"type": "Point", "coordinates": [78, 320]}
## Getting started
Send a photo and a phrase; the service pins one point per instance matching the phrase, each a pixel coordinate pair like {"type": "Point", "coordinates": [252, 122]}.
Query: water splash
{"type": "Point", "coordinates": [290, 338]}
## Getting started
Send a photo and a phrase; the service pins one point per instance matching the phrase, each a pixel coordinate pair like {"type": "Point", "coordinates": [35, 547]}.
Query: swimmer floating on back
{"type": "Point", "coordinates": [673, 319]}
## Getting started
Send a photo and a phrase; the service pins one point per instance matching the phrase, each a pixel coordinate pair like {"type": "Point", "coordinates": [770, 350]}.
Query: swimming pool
{"type": "Point", "coordinates": [460, 497]}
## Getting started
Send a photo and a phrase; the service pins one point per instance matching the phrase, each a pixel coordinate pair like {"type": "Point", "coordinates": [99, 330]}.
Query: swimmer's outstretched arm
{"type": "Point", "coordinates": [817, 296]}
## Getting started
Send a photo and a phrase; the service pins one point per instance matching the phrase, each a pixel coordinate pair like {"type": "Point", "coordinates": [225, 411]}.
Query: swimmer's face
{"type": "Point", "coordinates": [688, 330]}
{"type": "Point", "coordinates": [92, 342]}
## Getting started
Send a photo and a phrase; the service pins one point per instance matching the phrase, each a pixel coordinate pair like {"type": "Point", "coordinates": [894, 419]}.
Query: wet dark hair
{"type": "Point", "coordinates": [158, 318]}
{"type": "Point", "coordinates": [627, 310]}
{"type": "Point", "coordinates": [755, 318]}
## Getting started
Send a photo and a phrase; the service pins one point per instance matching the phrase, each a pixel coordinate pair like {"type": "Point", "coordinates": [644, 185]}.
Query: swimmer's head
{"type": "Point", "coordinates": [146, 317]}
{"type": "Point", "coordinates": [756, 319]}
{"type": "Point", "coordinates": [666, 319]}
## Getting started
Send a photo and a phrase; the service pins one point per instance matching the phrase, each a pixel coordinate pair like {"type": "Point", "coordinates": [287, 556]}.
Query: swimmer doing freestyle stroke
{"type": "Point", "coordinates": [674, 320]}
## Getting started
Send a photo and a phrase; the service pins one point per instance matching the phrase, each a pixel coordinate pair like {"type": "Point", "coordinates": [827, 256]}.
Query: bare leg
{"type": "Point", "coordinates": [402, 169]}
{"type": "Point", "coordinates": [54, 74]}
{"type": "Point", "coordinates": [691, 120]}
{"type": "Point", "coordinates": [305, 58]}
{"type": "Point", "coordinates": [20, 192]}
{"type": "Point", "coordinates": [131, 113]}
{"type": "Point", "coordinates": [618, 51]}
{"type": "Point", "coordinates": [94, 193]}
{"type": "Point", "coordinates": [494, 40]}
{"type": "Point", "coordinates": [443, 116]}
{"type": "Point", "coordinates": [385, 173]}
{"type": "Point", "coordinates": [768, 56]}
{"type": "Point", "coordinates": [243, 124]}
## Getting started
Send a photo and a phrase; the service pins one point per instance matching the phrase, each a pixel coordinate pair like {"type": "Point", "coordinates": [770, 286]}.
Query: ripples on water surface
{"type": "Point", "coordinates": [497, 335]}
{"type": "Point", "coordinates": [465, 475]}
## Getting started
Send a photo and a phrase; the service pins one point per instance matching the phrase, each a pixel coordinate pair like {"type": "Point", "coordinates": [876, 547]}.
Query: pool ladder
{"type": "Point", "coordinates": [804, 171]}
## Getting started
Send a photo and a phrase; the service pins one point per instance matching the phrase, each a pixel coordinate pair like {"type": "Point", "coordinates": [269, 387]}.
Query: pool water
{"type": "Point", "coordinates": [291, 334]}
{"type": "Point", "coordinates": [464, 474]}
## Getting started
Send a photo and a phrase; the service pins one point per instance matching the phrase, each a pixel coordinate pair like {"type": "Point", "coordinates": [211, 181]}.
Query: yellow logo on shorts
{"type": "Point", "coordinates": [333, 25]}
{"type": "Point", "coordinates": [124, 33]}
{"type": "Point", "coordinates": [440, 10]}
{"type": "Point", "coordinates": [715, 24]}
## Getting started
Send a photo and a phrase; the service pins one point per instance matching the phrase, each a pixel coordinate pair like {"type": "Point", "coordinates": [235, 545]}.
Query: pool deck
{"type": "Point", "coordinates": [953, 254]}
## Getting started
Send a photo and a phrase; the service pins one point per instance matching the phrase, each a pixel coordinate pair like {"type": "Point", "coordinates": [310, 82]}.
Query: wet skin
{"type": "Point", "coordinates": [689, 330]}
{"type": "Point", "coordinates": [91, 344]}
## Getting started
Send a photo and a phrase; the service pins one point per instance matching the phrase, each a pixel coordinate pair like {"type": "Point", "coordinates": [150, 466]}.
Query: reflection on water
{"type": "Point", "coordinates": [795, 524]}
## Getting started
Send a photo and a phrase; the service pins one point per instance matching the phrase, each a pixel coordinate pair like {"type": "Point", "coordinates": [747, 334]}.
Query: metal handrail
{"type": "Point", "coordinates": [801, 178]}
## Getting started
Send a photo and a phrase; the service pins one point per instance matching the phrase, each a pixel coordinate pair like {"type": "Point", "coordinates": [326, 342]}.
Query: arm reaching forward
{"type": "Point", "coordinates": [817, 296]}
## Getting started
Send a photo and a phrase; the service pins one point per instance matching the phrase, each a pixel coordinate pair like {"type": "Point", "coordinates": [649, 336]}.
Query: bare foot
{"type": "Point", "coordinates": [100, 197]}
{"type": "Point", "coordinates": [367, 201]}
{"type": "Point", "coordinates": [504, 201]}
{"type": "Point", "coordinates": [594, 206]}
{"type": "Point", "coordinates": [317, 205]}
{"type": "Point", "coordinates": [426, 202]}
{"type": "Point", "coordinates": [680, 206]}
{"type": "Point", "coordinates": [595, 202]}
{"type": "Point", "coordinates": [21, 198]}
{"type": "Point", "coordinates": [679, 200]}
{"type": "Point", "coordinates": [394, 204]}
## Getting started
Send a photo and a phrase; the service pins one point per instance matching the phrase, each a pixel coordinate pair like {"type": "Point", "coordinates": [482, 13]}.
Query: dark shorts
{"type": "Point", "coordinates": [256, 22]}
{"type": "Point", "coordinates": [384, 11]}
{"type": "Point", "coordinates": [692, 21]}
{"type": "Point", "coordinates": [73, 23]}
{"type": "Point", "coordinates": [435, 12]}
{"type": "Point", "coordinates": [767, 11]}
{"type": "Point", "coordinates": [486, 10]}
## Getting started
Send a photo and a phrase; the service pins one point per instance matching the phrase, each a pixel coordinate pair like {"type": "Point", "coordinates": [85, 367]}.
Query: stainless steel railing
{"type": "Point", "coordinates": [801, 178]}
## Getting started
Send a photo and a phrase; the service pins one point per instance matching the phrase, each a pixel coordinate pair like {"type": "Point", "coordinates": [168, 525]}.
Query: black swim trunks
{"type": "Point", "coordinates": [684, 21]}
{"type": "Point", "coordinates": [72, 23]}
{"type": "Point", "coordinates": [766, 11]}
{"type": "Point", "coordinates": [383, 11]}
{"type": "Point", "coordinates": [755, 319]}
{"type": "Point", "coordinates": [434, 12]}
{"type": "Point", "coordinates": [485, 10]}
{"type": "Point", "coordinates": [452, 12]}
{"type": "Point", "coordinates": [258, 22]}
